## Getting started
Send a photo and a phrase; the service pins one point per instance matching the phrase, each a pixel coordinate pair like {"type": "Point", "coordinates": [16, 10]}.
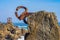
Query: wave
{"type": "Point", "coordinates": [24, 27]}
{"type": "Point", "coordinates": [20, 24]}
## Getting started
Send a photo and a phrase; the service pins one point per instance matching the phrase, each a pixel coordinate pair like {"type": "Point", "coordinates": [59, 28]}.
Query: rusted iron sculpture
{"type": "Point", "coordinates": [23, 15]}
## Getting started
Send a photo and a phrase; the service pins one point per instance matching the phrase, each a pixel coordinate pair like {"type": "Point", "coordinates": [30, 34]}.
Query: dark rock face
{"type": "Point", "coordinates": [42, 26]}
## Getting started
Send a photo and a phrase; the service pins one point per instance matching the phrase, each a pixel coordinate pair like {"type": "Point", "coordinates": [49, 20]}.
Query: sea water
{"type": "Point", "coordinates": [59, 24]}
{"type": "Point", "coordinates": [25, 26]}
{"type": "Point", "coordinates": [21, 25]}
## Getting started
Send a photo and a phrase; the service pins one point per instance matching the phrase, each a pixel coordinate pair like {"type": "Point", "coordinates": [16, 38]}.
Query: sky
{"type": "Point", "coordinates": [7, 8]}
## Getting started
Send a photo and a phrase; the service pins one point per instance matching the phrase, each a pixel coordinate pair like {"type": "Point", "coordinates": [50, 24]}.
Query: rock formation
{"type": "Point", "coordinates": [10, 32]}
{"type": "Point", "coordinates": [42, 26]}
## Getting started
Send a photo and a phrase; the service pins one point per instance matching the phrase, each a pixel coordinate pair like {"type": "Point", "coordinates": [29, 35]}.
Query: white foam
{"type": "Point", "coordinates": [22, 38]}
{"type": "Point", "coordinates": [22, 26]}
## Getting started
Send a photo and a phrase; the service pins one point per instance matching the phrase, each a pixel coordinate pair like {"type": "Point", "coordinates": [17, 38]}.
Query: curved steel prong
{"type": "Point", "coordinates": [23, 15]}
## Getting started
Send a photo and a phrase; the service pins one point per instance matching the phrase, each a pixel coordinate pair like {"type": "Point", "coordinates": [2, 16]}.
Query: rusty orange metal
{"type": "Point", "coordinates": [23, 15]}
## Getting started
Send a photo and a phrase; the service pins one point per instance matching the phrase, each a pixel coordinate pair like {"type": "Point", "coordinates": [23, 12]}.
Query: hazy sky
{"type": "Point", "coordinates": [7, 7]}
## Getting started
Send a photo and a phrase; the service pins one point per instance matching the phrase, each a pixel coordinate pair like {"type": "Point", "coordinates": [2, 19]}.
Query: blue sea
{"type": "Point", "coordinates": [25, 26]}
{"type": "Point", "coordinates": [21, 25]}
{"type": "Point", "coordinates": [59, 23]}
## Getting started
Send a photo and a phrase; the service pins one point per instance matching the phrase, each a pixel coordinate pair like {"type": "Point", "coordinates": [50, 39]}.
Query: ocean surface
{"type": "Point", "coordinates": [21, 25]}
{"type": "Point", "coordinates": [25, 26]}
{"type": "Point", "coordinates": [59, 23]}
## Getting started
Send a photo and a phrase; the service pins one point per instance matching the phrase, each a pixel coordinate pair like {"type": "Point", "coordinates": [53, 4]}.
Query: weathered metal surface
{"type": "Point", "coordinates": [23, 15]}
